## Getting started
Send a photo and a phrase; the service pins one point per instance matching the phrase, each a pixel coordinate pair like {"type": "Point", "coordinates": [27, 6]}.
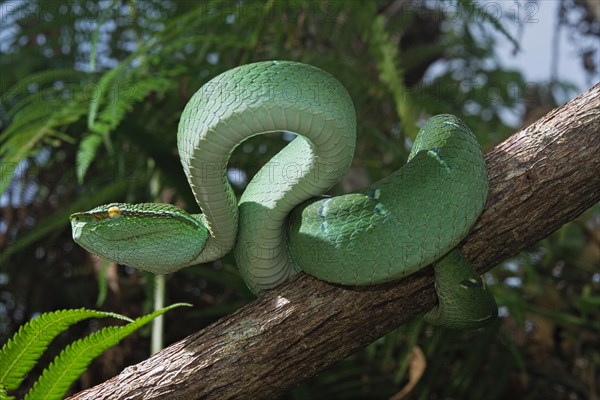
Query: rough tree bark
{"type": "Point", "coordinates": [540, 178]}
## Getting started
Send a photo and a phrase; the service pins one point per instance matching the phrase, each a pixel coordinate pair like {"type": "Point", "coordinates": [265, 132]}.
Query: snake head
{"type": "Point", "coordinates": [159, 238]}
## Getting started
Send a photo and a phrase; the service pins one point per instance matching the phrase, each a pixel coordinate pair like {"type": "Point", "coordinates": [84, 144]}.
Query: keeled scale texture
{"type": "Point", "coordinates": [403, 222]}
{"type": "Point", "coordinates": [407, 220]}
{"type": "Point", "coordinates": [392, 229]}
{"type": "Point", "coordinates": [240, 103]}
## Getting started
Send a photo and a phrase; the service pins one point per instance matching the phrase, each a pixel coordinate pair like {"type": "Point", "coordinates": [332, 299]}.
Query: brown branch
{"type": "Point", "coordinates": [540, 178]}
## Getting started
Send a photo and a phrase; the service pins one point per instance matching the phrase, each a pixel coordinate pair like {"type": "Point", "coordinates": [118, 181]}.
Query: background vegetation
{"type": "Point", "coordinates": [91, 98]}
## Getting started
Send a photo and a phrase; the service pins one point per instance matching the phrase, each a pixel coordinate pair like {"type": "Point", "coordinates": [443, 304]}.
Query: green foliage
{"type": "Point", "coordinates": [20, 353]}
{"type": "Point", "coordinates": [86, 153]}
{"type": "Point", "coordinates": [91, 99]}
{"type": "Point", "coordinates": [118, 94]}
{"type": "Point", "coordinates": [387, 57]}
{"type": "Point", "coordinates": [480, 15]}
{"type": "Point", "coordinates": [37, 121]}
{"type": "Point", "coordinates": [108, 96]}
{"type": "Point", "coordinates": [3, 394]}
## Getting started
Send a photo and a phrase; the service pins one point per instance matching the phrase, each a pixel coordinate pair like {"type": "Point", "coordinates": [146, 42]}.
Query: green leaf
{"type": "Point", "coordinates": [120, 94]}
{"type": "Point", "coordinates": [386, 54]}
{"type": "Point", "coordinates": [19, 354]}
{"type": "Point", "coordinates": [3, 394]}
{"type": "Point", "coordinates": [106, 80]}
{"type": "Point", "coordinates": [475, 10]}
{"type": "Point", "coordinates": [31, 127]}
{"type": "Point", "coordinates": [40, 78]}
{"type": "Point", "coordinates": [86, 154]}
{"type": "Point", "coordinates": [74, 359]}
{"type": "Point", "coordinates": [102, 283]}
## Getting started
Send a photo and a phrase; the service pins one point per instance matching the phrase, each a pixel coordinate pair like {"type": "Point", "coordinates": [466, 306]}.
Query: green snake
{"type": "Point", "coordinates": [283, 223]}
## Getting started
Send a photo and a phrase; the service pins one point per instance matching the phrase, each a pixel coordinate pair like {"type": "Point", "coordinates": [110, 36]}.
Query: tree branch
{"type": "Point", "coordinates": [540, 178]}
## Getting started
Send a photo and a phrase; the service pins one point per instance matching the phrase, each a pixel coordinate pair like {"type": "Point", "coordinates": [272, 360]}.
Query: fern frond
{"type": "Point", "coordinates": [476, 10]}
{"type": "Point", "coordinates": [119, 94]}
{"type": "Point", "coordinates": [3, 394]}
{"type": "Point", "coordinates": [46, 94]}
{"type": "Point", "coordinates": [113, 86]}
{"type": "Point", "coordinates": [20, 353]}
{"type": "Point", "coordinates": [33, 125]}
{"type": "Point", "coordinates": [86, 153]}
{"type": "Point", "coordinates": [123, 94]}
{"type": "Point", "coordinates": [192, 21]}
{"type": "Point", "coordinates": [72, 361]}
{"type": "Point", "coordinates": [57, 113]}
{"type": "Point", "coordinates": [203, 41]}
{"type": "Point", "coordinates": [386, 54]}
{"type": "Point", "coordinates": [35, 110]}
{"type": "Point", "coordinates": [103, 16]}
{"type": "Point", "coordinates": [95, 101]}
{"type": "Point", "coordinates": [19, 140]}
{"type": "Point", "coordinates": [22, 87]}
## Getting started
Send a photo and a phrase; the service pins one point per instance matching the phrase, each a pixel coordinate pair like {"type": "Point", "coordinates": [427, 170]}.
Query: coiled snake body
{"type": "Point", "coordinates": [282, 224]}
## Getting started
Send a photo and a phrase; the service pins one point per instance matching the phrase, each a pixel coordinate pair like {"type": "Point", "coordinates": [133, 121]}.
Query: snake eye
{"type": "Point", "coordinates": [114, 212]}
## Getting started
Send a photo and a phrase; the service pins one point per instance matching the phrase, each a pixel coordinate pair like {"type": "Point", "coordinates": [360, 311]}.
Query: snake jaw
{"type": "Point", "coordinates": [76, 227]}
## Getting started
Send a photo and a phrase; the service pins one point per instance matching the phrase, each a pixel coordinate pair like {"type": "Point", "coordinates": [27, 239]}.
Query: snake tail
{"type": "Point", "coordinates": [464, 300]}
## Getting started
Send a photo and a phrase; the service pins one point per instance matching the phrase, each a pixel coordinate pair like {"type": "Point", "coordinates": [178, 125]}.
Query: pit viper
{"type": "Point", "coordinates": [283, 223]}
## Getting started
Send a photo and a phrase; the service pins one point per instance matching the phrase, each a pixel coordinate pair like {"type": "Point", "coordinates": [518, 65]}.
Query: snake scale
{"type": "Point", "coordinates": [283, 223]}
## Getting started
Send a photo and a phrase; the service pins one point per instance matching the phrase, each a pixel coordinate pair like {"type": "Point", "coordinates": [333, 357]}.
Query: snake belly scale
{"type": "Point", "coordinates": [282, 224]}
